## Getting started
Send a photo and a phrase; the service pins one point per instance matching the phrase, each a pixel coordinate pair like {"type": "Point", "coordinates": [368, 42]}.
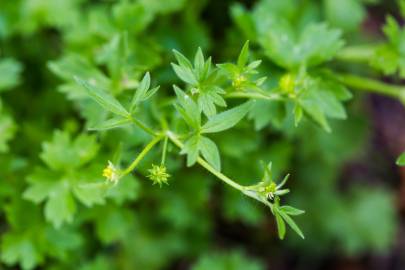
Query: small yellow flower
{"type": "Point", "coordinates": [271, 188]}
{"type": "Point", "coordinates": [158, 174]}
{"type": "Point", "coordinates": [111, 173]}
{"type": "Point", "coordinates": [238, 81]}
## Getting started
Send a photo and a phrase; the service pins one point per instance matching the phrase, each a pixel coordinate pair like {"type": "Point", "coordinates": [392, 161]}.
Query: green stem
{"type": "Point", "coordinates": [357, 54]}
{"type": "Point", "coordinates": [254, 95]}
{"type": "Point", "coordinates": [206, 165]}
{"type": "Point", "coordinates": [371, 85]}
{"type": "Point", "coordinates": [164, 150]}
{"type": "Point", "coordinates": [143, 126]}
{"type": "Point", "coordinates": [141, 155]}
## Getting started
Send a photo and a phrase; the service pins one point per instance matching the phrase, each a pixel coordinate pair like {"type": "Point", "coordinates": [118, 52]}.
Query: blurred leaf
{"type": "Point", "coordinates": [234, 260]}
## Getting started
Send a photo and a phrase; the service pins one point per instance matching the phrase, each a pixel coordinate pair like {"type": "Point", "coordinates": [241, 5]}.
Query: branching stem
{"type": "Point", "coordinates": [141, 155]}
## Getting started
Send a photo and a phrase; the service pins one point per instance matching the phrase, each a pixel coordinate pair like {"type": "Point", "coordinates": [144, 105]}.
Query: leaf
{"type": "Point", "coordinates": [182, 60]}
{"type": "Point", "coordinates": [292, 224]}
{"type": "Point", "coordinates": [112, 123]}
{"type": "Point", "coordinates": [191, 148]}
{"type": "Point", "coordinates": [7, 130]}
{"type": "Point", "coordinates": [70, 65]}
{"type": "Point", "coordinates": [143, 93]}
{"type": "Point", "coordinates": [209, 151]}
{"type": "Point", "coordinates": [185, 74]}
{"type": "Point", "coordinates": [289, 210]}
{"type": "Point", "coordinates": [141, 90]}
{"type": "Point", "coordinates": [227, 119]}
{"type": "Point", "coordinates": [90, 193]}
{"type": "Point", "coordinates": [337, 15]}
{"type": "Point", "coordinates": [280, 224]}
{"type": "Point", "coordinates": [401, 160]}
{"type": "Point", "coordinates": [62, 154]}
{"type": "Point", "coordinates": [187, 108]}
{"type": "Point", "coordinates": [230, 260]}
{"type": "Point", "coordinates": [10, 71]}
{"type": "Point", "coordinates": [199, 63]}
{"type": "Point", "coordinates": [60, 206]}
{"type": "Point", "coordinates": [19, 248]}
{"type": "Point", "coordinates": [244, 55]}
{"type": "Point", "coordinates": [103, 98]}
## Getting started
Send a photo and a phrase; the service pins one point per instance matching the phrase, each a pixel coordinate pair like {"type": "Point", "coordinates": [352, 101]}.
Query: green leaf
{"type": "Point", "coordinates": [112, 123]}
{"type": "Point", "coordinates": [142, 89]}
{"type": "Point", "coordinates": [199, 62]}
{"type": "Point", "coordinates": [143, 93]}
{"type": "Point", "coordinates": [63, 154]}
{"type": "Point", "coordinates": [233, 260]}
{"type": "Point", "coordinates": [227, 119]}
{"type": "Point", "coordinates": [289, 210]}
{"type": "Point", "coordinates": [182, 60]}
{"type": "Point", "coordinates": [209, 151]}
{"type": "Point", "coordinates": [66, 177]}
{"type": "Point", "coordinates": [10, 71]}
{"type": "Point", "coordinates": [280, 224]}
{"type": "Point", "coordinates": [290, 46]}
{"type": "Point", "coordinates": [185, 74]}
{"type": "Point", "coordinates": [244, 55]}
{"type": "Point", "coordinates": [292, 224]}
{"type": "Point", "coordinates": [103, 98]}
{"type": "Point", "coordinates": [390, 56]}
{"type": "Point", "coordinates": [191, 148]}
{"type": "Point", "coordinates": [7, 130]}
{"type": "Point", "coordinates": [187, 108]}
{"type": "Point", "coordinates": [208, 99]}
{"type": "Point", "coordinates": [401, 160]}
{"type": "Point", "coordinates": [90, 193]}
{"type": "Point", "coordinates": [17, 247]}
{"type": "Point", "coordinates": [60, 206]}
{"type": "Point", "coordinates": [70, 65]}
{"type": "Point", "coordinates": [337, 15]}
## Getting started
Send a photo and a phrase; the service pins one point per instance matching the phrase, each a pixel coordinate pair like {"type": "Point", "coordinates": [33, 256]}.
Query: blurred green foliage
{"type": "Point", "coordinates": [57, 211]}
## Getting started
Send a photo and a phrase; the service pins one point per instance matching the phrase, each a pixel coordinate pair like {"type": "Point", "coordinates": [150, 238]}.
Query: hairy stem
{"type": "Point", "coordinates": [357, 54]}
{"type": "Point", "coordinates": [254, 95]}
{"type": "Point", "coordinates": [143, 126]}
{"type": "Point", "coordinates": [371, 85]}
{"type": "Point", "coordinates": [206, 165]}
{"type": "Point", "coordinates": [141, 155]}
{"type": "Point", "coordinates": [164, 150]}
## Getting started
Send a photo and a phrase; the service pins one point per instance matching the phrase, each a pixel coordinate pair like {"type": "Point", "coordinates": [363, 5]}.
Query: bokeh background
{"type": "Point", "coordinates": [347, 180]}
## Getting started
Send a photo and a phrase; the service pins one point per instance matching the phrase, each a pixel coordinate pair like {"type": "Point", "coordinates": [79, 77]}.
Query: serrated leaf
{"type": "Point", "coordinates": [18, 248]}
{"type": "Point", "coordinates": [104, 99]}
{"type": "Point", "coordinates": [90, 193]}
{"type": "Point", "coordinates": [60, 207]}
{"type": "Point", "coordinates": [209, 151]}
{"type": "Point", "coordinates": [227, 119]}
